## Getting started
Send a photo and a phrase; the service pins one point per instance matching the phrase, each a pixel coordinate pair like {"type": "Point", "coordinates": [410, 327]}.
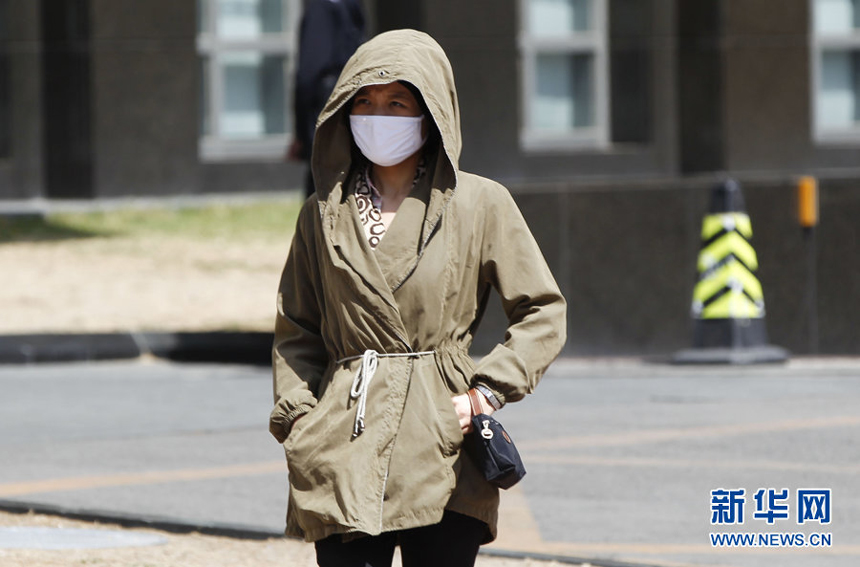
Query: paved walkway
{"type": "Point", "coordinates": [622, 456]}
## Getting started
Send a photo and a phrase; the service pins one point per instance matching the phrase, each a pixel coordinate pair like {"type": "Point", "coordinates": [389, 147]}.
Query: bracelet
{"type": "Point", "coordinates": [491, 397]}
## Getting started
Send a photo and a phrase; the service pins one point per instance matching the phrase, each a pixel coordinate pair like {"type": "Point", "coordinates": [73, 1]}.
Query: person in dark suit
{"type": "Point", "coordinates": [329, 33]}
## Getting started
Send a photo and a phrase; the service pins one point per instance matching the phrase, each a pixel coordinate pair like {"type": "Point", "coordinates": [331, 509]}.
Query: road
{"type": "Point", "coordinates": [622, 456]}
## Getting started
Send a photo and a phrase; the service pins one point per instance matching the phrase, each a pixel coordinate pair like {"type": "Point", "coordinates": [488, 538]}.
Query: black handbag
{"type": "Point", "coordinates": [492, 449]}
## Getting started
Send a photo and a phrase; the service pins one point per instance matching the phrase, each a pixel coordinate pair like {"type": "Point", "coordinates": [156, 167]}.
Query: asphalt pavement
{"type": "Point", "coordinates": [624, 458]}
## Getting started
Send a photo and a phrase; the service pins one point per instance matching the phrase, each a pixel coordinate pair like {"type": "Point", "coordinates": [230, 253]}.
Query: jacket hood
{"type": "Point", "coordinates": [400, 55]}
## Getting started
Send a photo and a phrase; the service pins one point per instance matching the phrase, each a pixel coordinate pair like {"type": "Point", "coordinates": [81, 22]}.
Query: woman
{"type": "Point", "coordinates": [389, 272]}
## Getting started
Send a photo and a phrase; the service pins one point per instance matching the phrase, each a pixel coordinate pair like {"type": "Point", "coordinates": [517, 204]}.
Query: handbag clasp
{"type": "Point", "coordinates": [486, 432]}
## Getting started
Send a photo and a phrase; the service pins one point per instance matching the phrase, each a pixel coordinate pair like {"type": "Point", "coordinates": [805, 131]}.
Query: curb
{"type": "Point", "coordinates": [219, 346]}
{"type": "Point", "coordinates": [563, 559]}
{"type": "Point", "coordinates": [238, 531]}
{"type": "Point", "coordinates": [164, 524]}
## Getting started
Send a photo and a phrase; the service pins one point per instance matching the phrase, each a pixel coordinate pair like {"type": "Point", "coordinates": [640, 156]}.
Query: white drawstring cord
{"type": "Point", "coordinates": [369, 363]}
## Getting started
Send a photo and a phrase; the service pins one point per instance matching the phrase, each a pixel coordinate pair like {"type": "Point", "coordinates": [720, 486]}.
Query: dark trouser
{"type": "Point", "coordinates": [453, 542]}
{"type": "Point", "coordinates": [309, 182]}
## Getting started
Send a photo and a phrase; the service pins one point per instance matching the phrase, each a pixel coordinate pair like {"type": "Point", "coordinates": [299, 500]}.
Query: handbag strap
{"type": "Point", "coordinates": [475, 402]}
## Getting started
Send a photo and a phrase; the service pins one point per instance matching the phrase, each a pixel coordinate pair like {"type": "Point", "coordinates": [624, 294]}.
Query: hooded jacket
{"type": "Point", "coordinates": [422, 290]}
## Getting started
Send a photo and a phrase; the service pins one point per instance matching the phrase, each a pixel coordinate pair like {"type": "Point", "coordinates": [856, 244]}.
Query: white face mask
{"type": "Point", "coordinates": [387, 140]}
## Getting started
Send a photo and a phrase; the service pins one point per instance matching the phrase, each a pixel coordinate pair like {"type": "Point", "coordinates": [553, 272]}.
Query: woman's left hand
{"type": "Point", "coordinates": [464, 410]}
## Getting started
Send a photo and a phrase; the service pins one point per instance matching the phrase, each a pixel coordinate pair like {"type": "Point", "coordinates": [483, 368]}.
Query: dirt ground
{"type": "Point", "coordinates": [181, 550]}
{"type": "Point", "coordinates": [156, 283]}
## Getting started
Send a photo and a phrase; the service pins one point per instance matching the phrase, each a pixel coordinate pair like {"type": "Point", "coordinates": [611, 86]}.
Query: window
{"type": "Point", "coordinates": [565, 77]}
{"type": "Point", "coordinates": [247, 52]}
{"type": "Point", "coordinates": [836, 70]}
{"type": "Point", "coordinates": [5, 99]}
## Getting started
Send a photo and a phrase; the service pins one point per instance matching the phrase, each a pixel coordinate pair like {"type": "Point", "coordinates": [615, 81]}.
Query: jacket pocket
{"type": "Point", "coordinates": [435, 403]}
{"type": "Point", "coordinates": [297, 427]}
{"type": "Point", "coordinates": [307, 434]}
{"type": "Point", "coordinates": [452, 435]}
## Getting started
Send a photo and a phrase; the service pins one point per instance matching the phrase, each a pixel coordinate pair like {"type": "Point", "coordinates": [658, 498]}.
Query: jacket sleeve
{"type": "Point", "coordinates": [537, 313]}
{"type": "Point", "coordinates": [299, 356]}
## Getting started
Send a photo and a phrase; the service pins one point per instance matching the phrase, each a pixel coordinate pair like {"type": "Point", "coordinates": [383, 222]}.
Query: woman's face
{"type": "Point", "coordinates": [392, 99]}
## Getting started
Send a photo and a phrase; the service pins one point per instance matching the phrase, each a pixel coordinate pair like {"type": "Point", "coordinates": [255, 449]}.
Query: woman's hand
{"type": "Point", "coordinates": [464, 410]}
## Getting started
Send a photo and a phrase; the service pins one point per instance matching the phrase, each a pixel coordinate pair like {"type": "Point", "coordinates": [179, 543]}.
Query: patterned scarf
{"type": "Point", "coordinates": [370, 202]}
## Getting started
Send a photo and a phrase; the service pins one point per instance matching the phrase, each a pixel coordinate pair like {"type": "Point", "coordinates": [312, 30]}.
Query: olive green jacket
{"type": "Point", "coordinates": [424, 288]}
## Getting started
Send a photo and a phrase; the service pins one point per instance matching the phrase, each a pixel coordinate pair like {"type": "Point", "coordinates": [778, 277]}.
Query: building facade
{"type": "Point", "coordinates": [610, 120]}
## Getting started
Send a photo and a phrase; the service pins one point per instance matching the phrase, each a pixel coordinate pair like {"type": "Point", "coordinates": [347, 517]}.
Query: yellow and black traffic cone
{"type": "Point", "coordinates": [728, 300]}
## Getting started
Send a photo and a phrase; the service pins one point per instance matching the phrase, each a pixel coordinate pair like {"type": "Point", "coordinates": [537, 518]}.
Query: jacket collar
{"type": "Point", "coordinates": [400, 250]}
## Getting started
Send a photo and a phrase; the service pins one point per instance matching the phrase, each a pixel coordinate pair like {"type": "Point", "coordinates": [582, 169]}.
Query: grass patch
{"type": "Point", "coordinates": [36, 228]}
{"type": "Point", "coordinates": [273, 218]}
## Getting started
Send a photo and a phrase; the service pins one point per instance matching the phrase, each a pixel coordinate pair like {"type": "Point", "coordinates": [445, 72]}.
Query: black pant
{"type": "Point", "coordinates": [309, 182]}
{"type": "Point", "coordinates": [453, 542]}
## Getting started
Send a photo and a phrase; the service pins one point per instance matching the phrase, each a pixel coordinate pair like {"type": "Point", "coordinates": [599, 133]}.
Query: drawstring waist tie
{"type": "Point", "coordinates": [366, 370]}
